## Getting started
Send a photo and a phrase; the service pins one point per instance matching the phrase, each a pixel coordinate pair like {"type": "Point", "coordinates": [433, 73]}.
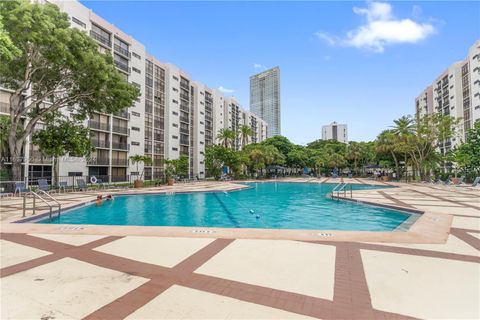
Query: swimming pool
{"type": "Point", "coordinates": [263, 205]}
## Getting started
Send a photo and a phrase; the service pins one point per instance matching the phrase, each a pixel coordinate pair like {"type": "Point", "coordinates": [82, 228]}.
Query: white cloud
{"type": "Point", "coordinates": [258, 66]}
{"type": "Point", "coordinates": [380, 30]}
{"type": "Point", "coordinates": [225, 90]}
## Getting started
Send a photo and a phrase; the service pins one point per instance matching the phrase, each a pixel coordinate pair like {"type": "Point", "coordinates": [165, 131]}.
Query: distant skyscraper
{"type": "Point", "coordinates": [335, 131]}
{"type": "Point", "coordinates": [265, 99]}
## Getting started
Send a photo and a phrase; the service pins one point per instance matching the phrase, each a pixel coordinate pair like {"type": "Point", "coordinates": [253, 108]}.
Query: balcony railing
{"type": "Point", "coordinates": [120, 129]}
{"type": "Point", "coordinates": [122, 114]}
{"type": "Point", "coordinates": [183, 130]}
{"type": "Point", "coordinates": [120, 145]}
{"type": "Point", "coordinates": [122, 66]}
{"type": "Point", "coordinates": [184, 119]}
{"type": "Point", "coordinates": [98, 161]}
{"type": "Point", "coordinates": [100, 38]}
{"type": "Point", "coordinates": [101, 144]}
{"type": "Point", "coordinates": [98, 125]}
{"type": "Point", "coordinates": [121, 50]}
{"type": "Point", "coordinates": [184, 108]}
{"type": "Point", "coordinates": [4, 107]}
{"type": "Point", "coordinates": [184, 142]}
{"type": "Point", "coordinates": [119, 162]}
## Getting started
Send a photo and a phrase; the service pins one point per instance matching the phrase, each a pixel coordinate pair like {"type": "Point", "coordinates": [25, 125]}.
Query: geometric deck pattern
{"type": "Point", "coordinates": [66, 276]}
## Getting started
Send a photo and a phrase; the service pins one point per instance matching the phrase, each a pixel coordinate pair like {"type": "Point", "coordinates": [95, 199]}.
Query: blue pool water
{"type": "Point", "coordinates": [278, 206]}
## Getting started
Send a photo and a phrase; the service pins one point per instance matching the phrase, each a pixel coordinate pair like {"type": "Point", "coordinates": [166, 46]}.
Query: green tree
{"type": "Point", "coordinates": [467, 155]}
{"type": "Point", "coordinates": [181, 166]}
{"type": "Point", "coordinates": [245, 132]}
{"type": "Point", "coordinates": [55, 64]}
{"type": "Point", "coordinates": [226, 137]}
{"type": "Point", "coordinates": [281, 143]}
{"type": "Point", "coordinates": [387, 143]}
{"type": "Point", "coordinates": [8, 51]}
{"type": "Point", "coordinates": [137, 159]}
{"type": "Point", "coordinates": [61, 136]}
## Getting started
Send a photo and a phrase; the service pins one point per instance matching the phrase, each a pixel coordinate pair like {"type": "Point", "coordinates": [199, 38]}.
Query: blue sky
{"type": "Point", "coordinates": [360, 63]}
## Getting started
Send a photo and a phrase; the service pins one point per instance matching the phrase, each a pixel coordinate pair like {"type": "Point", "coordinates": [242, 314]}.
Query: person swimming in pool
{"type": "Point", "coordinates": [99, 200]}
{"type": "Point", "coordinates": [109, 197]}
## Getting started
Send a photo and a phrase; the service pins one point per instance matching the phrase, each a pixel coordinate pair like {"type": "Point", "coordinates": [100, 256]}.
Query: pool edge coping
{"type": "Point", "coordinates": [429, 227]}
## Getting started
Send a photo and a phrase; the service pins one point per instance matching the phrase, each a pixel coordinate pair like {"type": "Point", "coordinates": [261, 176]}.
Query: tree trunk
{"type": "Point", "coordinates": [55, 181]}
{"type": "Point", "coordinates": [15, 147]}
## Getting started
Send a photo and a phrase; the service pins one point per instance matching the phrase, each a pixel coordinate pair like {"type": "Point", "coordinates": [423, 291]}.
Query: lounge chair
{"type": "Point", "coordinates": [43, 185]}
{"type": "Point", "coordinates": [82, 186]}
{"type": "Point", "coordinates": [20, 187]}
{"type": "Point", "coordinates": [64, 186]}
{"type": "Point", "coordinates": [475, 184]}
{"type": "Point", "coordinates": [102, 184]}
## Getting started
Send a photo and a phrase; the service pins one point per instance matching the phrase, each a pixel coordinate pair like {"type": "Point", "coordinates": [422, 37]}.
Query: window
{"type": "Point", "coordinates": [135, 128]}
{"type": "Point", "coordinates": [75, 174]}
{"type": "Point", "coordinates": [136, 55]}
{"type": "Point", "coordinates": [175, 89]}
{"type": "Point", "coordinates": [136, 114]}
{"type": "Point", "coordinates": [175, 125]}
{"type": "Point", "coordinates": [175, 78]}
{"type": "Point", "coordinates": [201, 122]}
{"type": "Point", "coordinates": [174, 149]}
{"type": "Point", "coordinates": [100, 35]}
{"type": "Point", "coordinates": [136, 70]}
{"type": "Point", "coordinates": [134, 143]}
{"type": "Point", "coordinates": [202, 113]}
{"type": "Point", "coordinates": [201, 142]}
{"type": "Point", "coordinates": [201, 132]}
{"type": "Point", "coordinates": [174, 137]}
{"type": "Point", "coordinates": [201, 92]}
{"type": "Point", "coordinates": [121, 47]}
{"type": "Point", "coordinates": [175, 113]}
{"type": "Point", "coordinates": [80, 23]}
{"type": "Point", "coordinates": [175, 101]}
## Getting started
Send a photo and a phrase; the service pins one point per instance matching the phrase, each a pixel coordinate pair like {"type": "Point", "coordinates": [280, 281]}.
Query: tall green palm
{"type": "Point", "coordinates": [387, 142]}
{"type": "Point", "coordinates": [226, 137]}
{"type": "Point", "coordinates": [354, 153]}
{"type": "Point", "coordinates": [245, 132]}
{"type": "Point", "coordinates": [404, 126]}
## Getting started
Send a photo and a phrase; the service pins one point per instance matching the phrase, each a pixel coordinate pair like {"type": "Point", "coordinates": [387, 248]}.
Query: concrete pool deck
{"type": "Point", "coordinates": [107, 272]}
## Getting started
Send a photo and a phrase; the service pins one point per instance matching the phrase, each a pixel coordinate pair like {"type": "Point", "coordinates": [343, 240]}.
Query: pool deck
{"type": "Point", "coordinates": [115, 272]}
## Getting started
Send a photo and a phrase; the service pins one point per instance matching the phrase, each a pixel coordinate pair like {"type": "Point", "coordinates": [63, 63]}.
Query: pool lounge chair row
{"type": "Point", "coordinates": [42, 184]}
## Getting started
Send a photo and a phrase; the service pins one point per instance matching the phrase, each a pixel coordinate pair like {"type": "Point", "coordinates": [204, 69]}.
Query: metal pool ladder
{"type": "Point", "coordinates": [341, 187]}
{"type": "Point", "coordinates": [48, 201]}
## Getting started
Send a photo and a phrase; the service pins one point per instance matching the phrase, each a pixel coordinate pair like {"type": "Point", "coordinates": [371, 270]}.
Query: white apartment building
{"type": "Point", "coordinates": [335, 131]}
{"type": "Point", "coordinates": [456, 93]}
{"type": "Point", "coordinates": [173, 116]}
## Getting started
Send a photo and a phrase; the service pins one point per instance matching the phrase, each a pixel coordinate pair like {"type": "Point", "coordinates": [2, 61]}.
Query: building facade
{"type": "Point", "coordinates": [265, 99]}
{"type": "Point", "coordinates": [335, 131]}
{"type": "Point", "coordinates": [173, 116]}
{"type": "Point", "coordinates": [455, 93]}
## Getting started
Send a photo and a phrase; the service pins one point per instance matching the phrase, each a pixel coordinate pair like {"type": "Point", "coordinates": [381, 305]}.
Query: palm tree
{"type": "Point", "coordinates": [404, 128]}
{"type": "Point", "coordinates": [137, 159]}
{"type": "Point", "coordinates": [387, 142]}
{"type": "Point", "coordinates": [245, 132]}
{"type": "Point", "coordinates": [226, 137]}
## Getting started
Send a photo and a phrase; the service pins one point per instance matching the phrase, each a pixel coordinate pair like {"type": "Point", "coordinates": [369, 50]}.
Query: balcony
{"type": "Point", "coordinates": [4, 107]}
{"type": "Point", "coordinates": [122, 66]}
{"type": "Point", "coordinates": [120, 162]}
{"type": "Point", "coordinates": [184, 108]}
{"type": "Point", "coordinates": [184, 142]}
{"type": "Point", "coordinates": [124, 52]}
{"type": "Point", "coordinates": [98, 161]}
{"type": "Point", "coordinates": [98, 125]}
{"type": "Point", "coordinates": [184, 119]}
{"type": "Point", "coordinates": [184, 96]}
{"type": "Point", "coordinates": [101, 144]}
{"type": "Point", "coordinates": [122, 114]}
{"type": "Point", "coordinates": [103, 40]}
{"type": "Point", "coordinates": [120, 146]}
{"type": "Point", "coordinates": [120, 129]}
